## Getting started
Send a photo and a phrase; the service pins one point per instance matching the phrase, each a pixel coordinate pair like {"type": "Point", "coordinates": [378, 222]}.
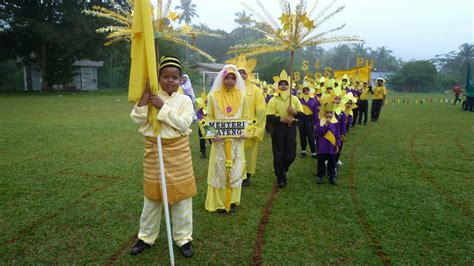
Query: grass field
{"type": "Point", "coordinates": [71, 191]}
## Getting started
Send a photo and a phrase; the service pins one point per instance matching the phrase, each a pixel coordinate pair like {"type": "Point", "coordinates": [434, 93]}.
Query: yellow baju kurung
{"type": "Point", "coordinates": [254, 109]}
{"type": "Point", "coordinates": [225, 104]}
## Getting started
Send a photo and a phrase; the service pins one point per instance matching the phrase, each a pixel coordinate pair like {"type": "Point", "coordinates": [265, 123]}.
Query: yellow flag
{"type": "Point", "coordinates": [143, 65]}
{"type": "Point", "coordinates": [355, 74]}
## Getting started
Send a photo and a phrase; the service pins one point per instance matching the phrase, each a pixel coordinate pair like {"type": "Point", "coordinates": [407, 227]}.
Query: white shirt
{"type": "Point", "coordinates": [175, 116]}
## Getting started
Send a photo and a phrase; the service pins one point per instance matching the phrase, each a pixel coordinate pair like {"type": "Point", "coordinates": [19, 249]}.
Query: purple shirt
{"type": "Point", "coordinates": [267, 99]}
{"type": "Point", "coordinates": [351, 90]}
{"type": "Point", "coordinates": [324, 145]}
{"type": "Point", "coordinates": [313, 105]}
{"type": "Point", "coordinates": [348, 120]}
{"type": "Point", "coordinates": [341, 118]}
{"type": "Point", "coordinates": [200, 114]}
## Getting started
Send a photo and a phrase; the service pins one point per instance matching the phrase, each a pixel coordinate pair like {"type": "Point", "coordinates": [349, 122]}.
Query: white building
{"type": "Point", "coordinates": [85, 78]}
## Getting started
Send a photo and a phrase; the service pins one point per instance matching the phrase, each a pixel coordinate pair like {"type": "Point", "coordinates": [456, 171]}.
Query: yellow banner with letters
{"type": "Point", "coordinates": [355, 74]}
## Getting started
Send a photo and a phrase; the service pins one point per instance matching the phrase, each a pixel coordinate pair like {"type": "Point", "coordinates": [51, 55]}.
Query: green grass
{"type": "Point", "coordinates": [71, 190]}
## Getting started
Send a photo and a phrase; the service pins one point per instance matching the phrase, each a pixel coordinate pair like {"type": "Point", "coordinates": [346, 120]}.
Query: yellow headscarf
{"type": "Point", "coordinates": [228, 100]}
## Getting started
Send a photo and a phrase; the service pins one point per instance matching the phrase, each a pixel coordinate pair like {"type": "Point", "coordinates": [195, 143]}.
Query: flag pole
{"type": "Point", "coordinates": [164, 192]}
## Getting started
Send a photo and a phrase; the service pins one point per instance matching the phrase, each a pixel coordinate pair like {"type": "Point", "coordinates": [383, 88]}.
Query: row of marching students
{"type": "Point", "coordinates": [334, 121]}
{"type": "Point", "coordinates": [320, 116]}
{"type": "Point", "coordinates": [323, 115]}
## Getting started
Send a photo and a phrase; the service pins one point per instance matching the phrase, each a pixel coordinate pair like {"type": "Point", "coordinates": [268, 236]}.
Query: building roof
{"type": "Point", "coordinates": [88, 63]}
{"type": "Point", "coordinates": [215, 67]}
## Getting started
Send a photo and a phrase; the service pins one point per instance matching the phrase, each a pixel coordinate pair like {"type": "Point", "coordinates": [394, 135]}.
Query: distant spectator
{"type": "Point", "coordinates": [187, 87]}
{"type": "Point", "coordinates": [457, 91]}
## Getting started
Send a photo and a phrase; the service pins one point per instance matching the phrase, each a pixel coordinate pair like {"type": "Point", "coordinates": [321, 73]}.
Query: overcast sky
{"type": "Point", "coordinates": [413, 29]}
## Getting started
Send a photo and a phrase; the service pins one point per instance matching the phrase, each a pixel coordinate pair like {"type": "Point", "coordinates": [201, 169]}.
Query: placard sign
{"type": "Point", "coordinates": [226, 128]}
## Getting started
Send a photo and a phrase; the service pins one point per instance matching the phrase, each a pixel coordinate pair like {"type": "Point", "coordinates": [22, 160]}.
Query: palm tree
{"type": "Point", "coordinates": [243, 19]}
{"type": "Point", "coordinates": [361, 50]}
{"type": "Point", "coordinates": [382, 56]}
{"type": "Point", "coordinates": [466, 52]}
{"type": "Point", "coordinates": [188, 11]}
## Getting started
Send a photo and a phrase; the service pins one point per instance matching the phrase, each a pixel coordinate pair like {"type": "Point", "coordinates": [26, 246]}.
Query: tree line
{"type": "Point", "coordinates": [52, 34]}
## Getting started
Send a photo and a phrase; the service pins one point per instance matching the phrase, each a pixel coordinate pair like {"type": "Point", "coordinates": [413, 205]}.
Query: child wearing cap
{"type": "Point", "coordinates": [175, 115]}
{"type": "Point", "coordinates": [378, 98]}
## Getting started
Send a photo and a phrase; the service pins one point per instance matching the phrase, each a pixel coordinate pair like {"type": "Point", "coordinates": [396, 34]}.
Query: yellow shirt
{"type": "Point", "coordinates": [175, 116]}
{"type": "Point", "coordinates": [365, 94]}
{"type": "Point", "coordinates": [255, 108]}
{"type": "Point", "coordinates": [278, 105]}
{"type": "Point", "coordinates": [379, 92]}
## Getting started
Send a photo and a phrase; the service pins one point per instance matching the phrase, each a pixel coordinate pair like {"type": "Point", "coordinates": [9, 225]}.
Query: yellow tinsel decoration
{"type": "Point", "coordinates": [122, 28]}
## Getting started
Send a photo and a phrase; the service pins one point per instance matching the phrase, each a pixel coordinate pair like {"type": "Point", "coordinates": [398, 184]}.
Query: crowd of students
{"type": "Point", "coordinates": [322, 111]}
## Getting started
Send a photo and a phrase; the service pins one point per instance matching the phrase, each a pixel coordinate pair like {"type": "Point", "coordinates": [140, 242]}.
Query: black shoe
{"type": "Point", "coordinates": [319, 180]}
{"type": "Point", "coordinates": [139, 247]}
{"type": "Point", "coordinates": [314, 156]}
{"type": "Point", "coordinates": [303, 155]}
{"type": "Point", "coordinates": [332, 181]}
{"type": "Point", "coordinates": [187, 250]}
{"type": "Point", "coordinates": [281, 184]}
{"type": "Point", "coordinates": [233, 208]}
{"type": "Point", "coordinates": [246, 182]}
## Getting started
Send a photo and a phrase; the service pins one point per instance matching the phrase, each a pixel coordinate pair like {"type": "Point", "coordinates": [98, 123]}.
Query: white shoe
{"type": "Point", "coordinates": [339, 163]}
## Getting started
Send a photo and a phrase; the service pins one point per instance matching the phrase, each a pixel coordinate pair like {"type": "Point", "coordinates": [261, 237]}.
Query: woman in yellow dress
{"type": "Point", "coordinates": [226, 164]}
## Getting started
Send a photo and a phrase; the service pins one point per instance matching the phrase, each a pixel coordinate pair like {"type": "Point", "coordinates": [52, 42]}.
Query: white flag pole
{"type": "Point", "coordinates": [165, 200]}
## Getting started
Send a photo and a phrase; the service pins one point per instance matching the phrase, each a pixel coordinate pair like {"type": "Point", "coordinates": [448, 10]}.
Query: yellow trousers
{"type": "Point", "coordinates": [181, 221]}
{"type": "Point", "coordinates": [251, 152]}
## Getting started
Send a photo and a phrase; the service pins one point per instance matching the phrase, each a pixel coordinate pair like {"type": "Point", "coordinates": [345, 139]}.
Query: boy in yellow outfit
{"type": "Point", "coordinates": [175, 116]}
{"type": "Point", "coordinates": [378, 98]}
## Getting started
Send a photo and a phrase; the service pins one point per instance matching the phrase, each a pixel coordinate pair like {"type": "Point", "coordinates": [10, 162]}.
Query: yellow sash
{"type": "Point", "coordinates": [330, 137]}
{"type": "Point", "coordinates": [306, 110]}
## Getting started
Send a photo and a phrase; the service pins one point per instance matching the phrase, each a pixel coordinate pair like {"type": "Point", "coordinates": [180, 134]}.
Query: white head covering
{"type": "Point", "coordinates": [219, 80]}
{"type": "Point", "coordinates": [188, 88]}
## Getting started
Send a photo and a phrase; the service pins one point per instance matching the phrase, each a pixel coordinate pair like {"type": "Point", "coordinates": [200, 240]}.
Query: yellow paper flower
{"type": "Point", "coordinates": [173, 16]}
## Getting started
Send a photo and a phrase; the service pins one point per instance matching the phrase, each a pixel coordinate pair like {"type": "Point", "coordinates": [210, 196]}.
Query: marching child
{"type": "Point", "coordinates": [201, 113]}
{"type": "Point", "coordinates": [341, 118]}
{"type": "Point", "coordinates": [305, 125]}
{"type": "Point", "coordinates": [282, 111]}
{"type": "Point", "coordinates": [175, 116]}
{"type": "Point", "coordinates": [363, 103]}
{"type": "Point", "coordinates": [329, 140]}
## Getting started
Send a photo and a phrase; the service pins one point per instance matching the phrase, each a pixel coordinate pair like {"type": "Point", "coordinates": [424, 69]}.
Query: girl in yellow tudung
{"type": "Point", "coordinates": [227, 159]}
